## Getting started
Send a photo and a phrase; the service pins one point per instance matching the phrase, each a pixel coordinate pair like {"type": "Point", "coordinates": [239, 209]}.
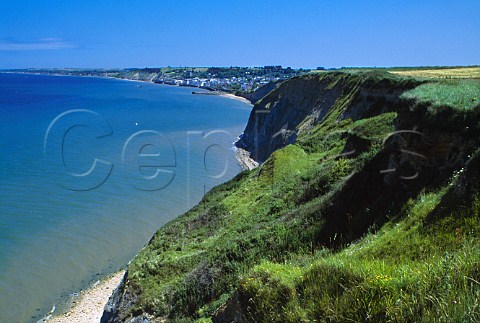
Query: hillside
{"type": "Point", "coordinates": [365, 208]}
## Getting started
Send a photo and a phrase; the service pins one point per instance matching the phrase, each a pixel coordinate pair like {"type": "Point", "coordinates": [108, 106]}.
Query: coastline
{"type": "Point", "coordinates": [236, 97]}
{"type": "Point", "coordinates": [88, 306]}
{"type": "Point", "coordinates": [243, 157]}
{"type": "Point", "coordinates": [222, 94]}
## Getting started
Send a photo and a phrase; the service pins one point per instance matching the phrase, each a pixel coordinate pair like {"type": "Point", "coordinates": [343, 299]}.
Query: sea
{"type": "Point", "coordinates": [90, 168]}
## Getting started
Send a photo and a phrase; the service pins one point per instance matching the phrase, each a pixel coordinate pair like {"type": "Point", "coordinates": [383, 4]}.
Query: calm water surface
{"type": "Point", "coordinates": [89, 169]}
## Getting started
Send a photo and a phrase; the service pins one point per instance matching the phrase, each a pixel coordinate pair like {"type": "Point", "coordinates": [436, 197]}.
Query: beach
{"type": "Point", "coordinates": [235, 97]}
{"type": "Point", "coordinates": [88, 307]}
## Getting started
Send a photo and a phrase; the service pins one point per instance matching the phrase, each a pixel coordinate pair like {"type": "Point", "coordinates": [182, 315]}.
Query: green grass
{"type": "Point", "coordinates": [462, 94]}
{"type": "Point", "coordinates": [221, 238]}
{"type": "Point", "coordinates": [408, 271]}
{"type": "Point", "coordinates": [264, 214]}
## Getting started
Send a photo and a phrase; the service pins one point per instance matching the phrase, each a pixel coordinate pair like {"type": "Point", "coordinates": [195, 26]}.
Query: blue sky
{"type": "Point", "coordinates": [242, 33]}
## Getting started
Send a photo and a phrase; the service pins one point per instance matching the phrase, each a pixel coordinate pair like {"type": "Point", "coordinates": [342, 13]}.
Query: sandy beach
{"type": "Point", "coordinates": [235, 97]}
{"type": "Point", "coordinates": [89, 305]}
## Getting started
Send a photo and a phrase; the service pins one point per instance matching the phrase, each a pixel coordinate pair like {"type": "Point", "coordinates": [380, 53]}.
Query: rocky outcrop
{"type": "Point", "coordinates": [113, 302]}
{"type": "Point", "coordinates": [296, 106]}
{"type": "Point", "coordinates": [261, 91]}
{"type": "Point", "coordinates": [120, 302]}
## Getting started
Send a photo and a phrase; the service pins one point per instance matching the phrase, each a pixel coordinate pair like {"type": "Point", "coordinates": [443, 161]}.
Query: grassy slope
{"type": "Point", "coordinates": [409, 270]}
{"type": "Point", "coordinates": [256, 236]}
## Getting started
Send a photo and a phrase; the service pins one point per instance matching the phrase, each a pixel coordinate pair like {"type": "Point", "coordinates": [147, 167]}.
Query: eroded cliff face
{"type": "Point", "coordinates": [261, 92]}
{"type": "Point", "coordinates": [296, 106]}
{"type": "Point", "coordinates": [423, 152]}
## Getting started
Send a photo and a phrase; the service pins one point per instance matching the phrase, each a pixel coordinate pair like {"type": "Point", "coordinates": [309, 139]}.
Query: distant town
{"type": "Point", "coordinates": [224, 79]}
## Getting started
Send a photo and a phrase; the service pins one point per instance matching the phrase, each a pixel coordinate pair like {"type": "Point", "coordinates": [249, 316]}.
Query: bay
{"type": "Point", "coordinates": [90, 168]}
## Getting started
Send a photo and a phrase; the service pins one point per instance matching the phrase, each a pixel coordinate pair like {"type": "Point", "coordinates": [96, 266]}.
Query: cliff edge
{"type": "Point", "coordinates": [365, 206]}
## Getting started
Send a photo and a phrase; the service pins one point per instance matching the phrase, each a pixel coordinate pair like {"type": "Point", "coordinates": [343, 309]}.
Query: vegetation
{"type": "Point", "coordinates": [446, 73]}
{"type": "Point", "coordinates": [410, 270]}
{"type": "Point", "coordinates": [463, 94]}
{"type": "Point", "coordinates": [318, 233]}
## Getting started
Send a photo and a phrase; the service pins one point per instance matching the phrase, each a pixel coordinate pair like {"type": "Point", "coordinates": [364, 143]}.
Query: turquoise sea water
{"type": "Point", "coordinates": [90, 168]}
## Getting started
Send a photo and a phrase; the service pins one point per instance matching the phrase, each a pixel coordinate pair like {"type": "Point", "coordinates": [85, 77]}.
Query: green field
{"type": "Point", "coordinates": [445, 73]}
